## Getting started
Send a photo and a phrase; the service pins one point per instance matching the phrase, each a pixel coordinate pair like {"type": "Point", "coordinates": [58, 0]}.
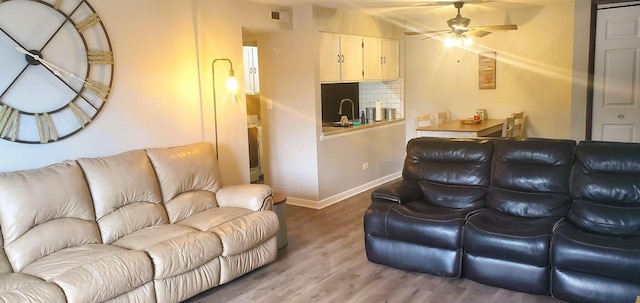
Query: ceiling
{"type": "Point", "coordinates": [410, 10]}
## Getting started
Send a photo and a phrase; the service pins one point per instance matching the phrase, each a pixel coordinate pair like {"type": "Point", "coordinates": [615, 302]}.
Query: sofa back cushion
{"type": "Point", "coordinates": [188, 177]}
{"type": "Point", "coordinates": [451, 172]}
{"type": "Point", "coordinates": [530, 177]}
{"type": "Point", "coordinates": [44, 211]}
{"type": "Point", "coordinates": [125, 192]}
{"type": "Point", "coordinates": [605, 186]}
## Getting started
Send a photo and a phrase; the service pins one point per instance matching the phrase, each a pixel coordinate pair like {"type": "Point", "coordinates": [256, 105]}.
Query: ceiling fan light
{"type": "Point", "coordinates": [450, 42]}
{"type": "Point", "coordinates": [467, 41]}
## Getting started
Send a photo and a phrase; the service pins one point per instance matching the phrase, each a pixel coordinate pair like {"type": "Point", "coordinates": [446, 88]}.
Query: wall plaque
{"type": "Point", "coordinates": [487, 70]}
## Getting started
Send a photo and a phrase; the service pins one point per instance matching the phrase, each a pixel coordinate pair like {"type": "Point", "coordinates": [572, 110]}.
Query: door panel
{"type": "Point", "coordinates": [391, 53]}
{"type": "Point", "coordinates": [351, 48]}
{"type": "Point", "coordinates": [616, 110]}
{"type": "Point", "coordinates": [329, 57]}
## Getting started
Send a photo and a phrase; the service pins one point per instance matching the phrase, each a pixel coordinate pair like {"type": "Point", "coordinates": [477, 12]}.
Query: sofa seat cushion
{"type": "Point", "coordinates": [239, 229]}
{"type": "Point", "coordinates": [144, 293]}
{"type": "Point", "coordinates": [95, 272]}
{"type": "Point", "coordinates": [494, 234]}
{"type": "Point", "coordinates": [575, 249]}
{"type": "Point", "coordinates": [15, 287]}
{"type": "Point", "coordinates": [417, 222]}
{"type": "Point", "coordinates": [174, 249]}
{"type": "Point", "coordinates": [232, 267]}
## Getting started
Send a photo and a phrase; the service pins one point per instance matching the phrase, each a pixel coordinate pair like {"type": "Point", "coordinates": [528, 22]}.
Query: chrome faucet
{"type": "Point", "coordinates": [353, 113]}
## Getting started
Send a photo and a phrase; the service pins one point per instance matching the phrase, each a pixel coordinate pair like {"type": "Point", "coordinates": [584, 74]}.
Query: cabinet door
{"type": "Point", "coordinates": [390, 59]}
{"type": "Point", "coordinates": [246, 57]}
{"type": "Point", "coordinates": [330, 57]}
{"type": "Point", "coordinates": [351, 48]}
{"type": "Point", "coordinates": [256, 70]}
{"type": "Point", "coordinates": [372, 59]}
{"type": "Point", "coordinates": [251, 71]}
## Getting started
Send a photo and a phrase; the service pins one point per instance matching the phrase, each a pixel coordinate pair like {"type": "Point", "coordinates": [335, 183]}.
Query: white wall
{"type": "Point", "coordinates": [288, 80]}
{"type": "Point", "coordinates": [162, 92]}
{"type": "Point", "coordinates": [534, 70]}
{"type": "Point", "coordinates": [312, 172]}
{"type": "Point", "coordinates": [154, 100]}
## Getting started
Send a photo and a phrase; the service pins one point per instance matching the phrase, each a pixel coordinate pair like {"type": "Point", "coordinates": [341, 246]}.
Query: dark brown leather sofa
{"type": "Point", "coordinates": [540, 216]}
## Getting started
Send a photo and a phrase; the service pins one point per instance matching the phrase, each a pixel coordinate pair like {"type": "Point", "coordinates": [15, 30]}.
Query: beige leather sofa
{"type": "Point", "coordinates": [148, 225]}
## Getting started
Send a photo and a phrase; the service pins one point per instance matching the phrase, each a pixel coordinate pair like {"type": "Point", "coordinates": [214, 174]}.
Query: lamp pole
{"type": "Point", "coordinates": [231, 84]}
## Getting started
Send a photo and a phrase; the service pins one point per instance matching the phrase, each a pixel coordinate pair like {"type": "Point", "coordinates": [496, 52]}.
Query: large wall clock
{"type": "Point", "coordinates": [56, 69]}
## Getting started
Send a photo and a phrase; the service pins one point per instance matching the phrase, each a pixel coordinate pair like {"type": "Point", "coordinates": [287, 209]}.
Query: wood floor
{"type": "Point", "coordinates": [325, 261]}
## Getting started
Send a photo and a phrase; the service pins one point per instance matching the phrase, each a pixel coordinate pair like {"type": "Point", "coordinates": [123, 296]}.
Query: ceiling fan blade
{"type": "Point", "coordinates": [477, 32]}
{"type": "Point", "coordinates": [418, 3]}
{"type": "Point", "coordinates": [504, 27]}
{"type": "Point", "coordinates": [437, 32]}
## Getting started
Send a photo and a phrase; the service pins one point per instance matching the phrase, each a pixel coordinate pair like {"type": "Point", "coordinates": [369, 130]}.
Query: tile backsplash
{"type": "Point", "coordinates": [389, 93]}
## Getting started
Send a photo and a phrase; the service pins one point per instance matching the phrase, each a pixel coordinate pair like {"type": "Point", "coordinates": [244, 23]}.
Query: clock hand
{"type": "Point", "coordinates": [52, 67]}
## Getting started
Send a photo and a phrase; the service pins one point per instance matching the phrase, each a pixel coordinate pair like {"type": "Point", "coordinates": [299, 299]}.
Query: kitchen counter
{"type": "Point", "coordinates": [337, 131]}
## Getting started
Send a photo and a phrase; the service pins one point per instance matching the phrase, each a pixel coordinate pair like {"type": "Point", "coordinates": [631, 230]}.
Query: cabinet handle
{"type": "Point", "coordinates": [339, 58]}
{"type": "Point", "coordinates": [621, 117]}
{"type": "Point", "coordinates": [342, 58]}
{"type": "Point", "coordinates": [381, 60]}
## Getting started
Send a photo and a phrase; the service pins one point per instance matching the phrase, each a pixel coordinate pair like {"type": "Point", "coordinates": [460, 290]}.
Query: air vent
{"type": "Point", "coordinates": [280, 16]}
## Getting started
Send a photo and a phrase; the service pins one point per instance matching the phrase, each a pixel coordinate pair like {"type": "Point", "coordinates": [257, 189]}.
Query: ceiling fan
{"type": "Point", "coordinates": [459, 27]}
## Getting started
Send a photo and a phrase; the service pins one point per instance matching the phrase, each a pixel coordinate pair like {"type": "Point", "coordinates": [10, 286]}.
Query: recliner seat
{"type": "Point", "coordinates": [416, 223]}
{"type": "Point", "coordinates": [506, 244]}
{"type": "Point", "coordinates": [595, 251]}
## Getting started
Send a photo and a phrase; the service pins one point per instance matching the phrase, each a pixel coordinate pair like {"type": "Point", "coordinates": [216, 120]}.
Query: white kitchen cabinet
{"type": "Point", "coordinates": [391, 59]}
{"type": "Point", "coordinates": [251, 70]}
{"type": "Point", "coordinates": [381, 59]}
{"type": "Point", "coordinates": [340, 58]}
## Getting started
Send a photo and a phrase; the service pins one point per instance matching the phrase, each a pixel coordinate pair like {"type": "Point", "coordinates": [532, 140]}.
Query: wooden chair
{"type": "Point", "coordinates": [442, 117]}
{"type": "Point", "coordinates": [513, 126]}
{"type": "Point", "coordinates": [424, 120]}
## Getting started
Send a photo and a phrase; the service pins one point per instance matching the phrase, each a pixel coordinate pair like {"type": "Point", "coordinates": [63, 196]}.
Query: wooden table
{"type": "Point", "coordinates": [455, 129]}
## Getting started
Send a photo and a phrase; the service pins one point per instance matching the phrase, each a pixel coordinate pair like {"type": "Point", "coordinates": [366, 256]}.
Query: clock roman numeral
{"type": "Point", "coordinates": [97, 57]}
{"type": "Point", "coordinates": [81, 116]}
{"type": "Point", "coordinates": [9, 122]}
{"type": "Point", "coordinates": [97, 88]}
{"type": "Point", "coordinates": [88, 22]}
{"type": "Point", "coordinates": [46, 128]}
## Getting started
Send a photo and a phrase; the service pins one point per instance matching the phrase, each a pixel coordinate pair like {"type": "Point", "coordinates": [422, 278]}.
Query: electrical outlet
{"type": "Point", "coordinates": [365, 165]}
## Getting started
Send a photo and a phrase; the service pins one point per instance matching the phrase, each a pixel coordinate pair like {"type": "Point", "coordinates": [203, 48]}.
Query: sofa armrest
{"type": "Point", "coordinates": [400, 191]}
{"type": "Point", "coordinates": [256, 197]}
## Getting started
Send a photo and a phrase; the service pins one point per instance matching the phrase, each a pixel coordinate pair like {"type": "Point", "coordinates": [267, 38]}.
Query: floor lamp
{"type": "Point", "coordinates": [231, 84]}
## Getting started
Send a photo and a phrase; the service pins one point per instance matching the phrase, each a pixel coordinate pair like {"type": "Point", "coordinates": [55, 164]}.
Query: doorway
{"type": "Point", "coordinates": [616, 77]}
{"type": "Point", "coordinates": [254, 116]}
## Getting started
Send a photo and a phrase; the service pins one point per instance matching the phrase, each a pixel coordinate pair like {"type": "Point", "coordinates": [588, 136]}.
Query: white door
{"type": "Point", "coordinates": [616, 108]}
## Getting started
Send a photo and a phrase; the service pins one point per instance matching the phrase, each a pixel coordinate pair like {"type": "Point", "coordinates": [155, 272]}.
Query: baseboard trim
{"type": "Point", "coordinates": [341, 196]}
